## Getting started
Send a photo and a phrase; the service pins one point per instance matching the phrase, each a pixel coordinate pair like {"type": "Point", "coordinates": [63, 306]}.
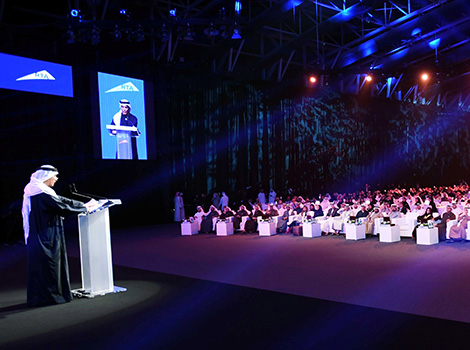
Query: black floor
{"type": "Point", "coordinates": [161, 311]}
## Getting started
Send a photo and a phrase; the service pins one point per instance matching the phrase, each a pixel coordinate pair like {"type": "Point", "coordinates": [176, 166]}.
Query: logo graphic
{"type": "Point", "coordinates": [123, 87]}
{"type": "Point", "coordinates": [41, 75]}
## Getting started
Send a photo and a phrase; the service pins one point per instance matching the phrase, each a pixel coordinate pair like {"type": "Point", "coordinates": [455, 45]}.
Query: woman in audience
{"type": "Point", "coordinates": [423, 219]}
{"type": "Point", "coordinates": [317, 210]}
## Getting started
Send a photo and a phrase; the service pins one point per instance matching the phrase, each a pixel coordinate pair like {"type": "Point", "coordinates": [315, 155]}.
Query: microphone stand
{"type": "Point", "coordinates": [74, 191]}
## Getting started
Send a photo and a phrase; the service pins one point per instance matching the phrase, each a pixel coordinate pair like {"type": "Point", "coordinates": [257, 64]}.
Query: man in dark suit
{"type": "Point", "coordinates": [442, 226]}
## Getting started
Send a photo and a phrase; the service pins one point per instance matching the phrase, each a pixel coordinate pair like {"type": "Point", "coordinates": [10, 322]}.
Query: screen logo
{"type": "Point", "coordinates": [126, 87]}
{"type": "Point", "coordinates": [41, 75]}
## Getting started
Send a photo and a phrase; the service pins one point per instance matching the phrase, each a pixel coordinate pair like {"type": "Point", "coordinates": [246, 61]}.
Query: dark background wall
{"type": "Point", "coordinates": [226, 135]}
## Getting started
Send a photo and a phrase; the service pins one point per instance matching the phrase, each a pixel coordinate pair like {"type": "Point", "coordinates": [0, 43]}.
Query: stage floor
{"type": "Point", "coordinates": [402, 276]}
{"type": "Point", "coordinates": [247, 291]}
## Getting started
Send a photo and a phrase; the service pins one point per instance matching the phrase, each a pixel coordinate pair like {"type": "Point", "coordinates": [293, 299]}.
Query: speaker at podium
{"type": "Point", "coordinates": [124, 142]}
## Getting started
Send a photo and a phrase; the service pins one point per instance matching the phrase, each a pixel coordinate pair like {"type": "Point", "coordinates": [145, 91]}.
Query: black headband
{"type": "Point", "coordinates": [47, 168]}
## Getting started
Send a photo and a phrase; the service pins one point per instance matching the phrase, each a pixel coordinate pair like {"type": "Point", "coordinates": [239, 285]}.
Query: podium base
{"type": "Point", "coordinates": [82, 293]}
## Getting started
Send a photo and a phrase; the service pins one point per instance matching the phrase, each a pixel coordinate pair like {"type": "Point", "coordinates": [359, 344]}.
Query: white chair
{"type": "Point", "coordinates": [276, 219]}
{"type": "Point", "coordinates": [454, 222]}
{"type": "Point", "coordinates": [449, 225]}
{"type": "Point", "coordinates": [243, 222]}
{"type": "Point", "coordinates": [338, 224]}
{"type": "Point", "coordinates": [377, 226]}
{"type": "Point", "coordinates": [293, 218]}
{"type": "Point", "coordinates": [441, 210]}
{"type": "Point", "coordinates": [406, 225]}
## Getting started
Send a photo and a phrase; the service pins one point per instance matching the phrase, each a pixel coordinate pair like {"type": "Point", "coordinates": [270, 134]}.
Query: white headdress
{"type": "Point", "coordinates": [124, 103]}
{"type": "Point", "coordinates": [36, 186]}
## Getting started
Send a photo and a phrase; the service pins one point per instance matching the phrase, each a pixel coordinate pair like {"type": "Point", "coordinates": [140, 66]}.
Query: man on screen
{"type": "Point", "coordinates": [125, 118]}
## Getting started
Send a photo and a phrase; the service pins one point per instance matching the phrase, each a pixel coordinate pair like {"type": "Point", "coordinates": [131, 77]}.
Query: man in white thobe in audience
{"type": "Point", "coordinates": [395, 214]}
{"type": "Point", "coordinates": [199, 215]}
{"type": "Point", "coordinates": [272, 196]}
{"type": "Point", "coordinates": [327, 225]}
{"type": "Point", "coordinates": [418, 210]}
{"type": "Point", "coordinates": [455, 209]}
{"type": "Point", "coordinates": [223, 201]}
{"type": "Point", "coordinates": [355, 208]}
{"type": "Point", "coordinates": [262, 197]}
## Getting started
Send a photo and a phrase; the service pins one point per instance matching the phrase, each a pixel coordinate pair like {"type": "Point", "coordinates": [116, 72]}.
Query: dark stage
{"type": "Point", "coordinates": [246, 291]}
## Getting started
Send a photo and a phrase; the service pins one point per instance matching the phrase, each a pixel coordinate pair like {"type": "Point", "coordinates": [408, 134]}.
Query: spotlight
{"type": "Point", "coordinates": [70, 35]}
{"type": "Point", "coordinates": [368, 78]}
{"type": "Point", "coordinates": [139, 34]}
{"type": "Point", "coordinates": [164, 34]}
{"type": "Point", "coordinates": [123, 12]}
{"type": "Point", "coordinates": [434, 44]}
{"type": "Point", "coordinates": [129, 34]}
{"type": "Point", "coordinates": [189, 35]}
{"type": "Point", "coordinates": [224, 33]}
{"type": "Point", "coordinates": [172, 13]}
{"type": "Point", "coordinates": [117, 36]}
{"type": "Point", "coordinates": [75, 13]}
{"type": "Point", "coordinates": [211, 31]}
{"type": "Point", "coordinates": [95, 35]}
{"type": "Point", "coordinates": [312, 81]}
{"type": "Point", "coordinates": [236, 32]}
{"type": "Point", "coordinates": [238, 7]}
{"type": "Point", "coordinates": [416, 32]}
{"type": "Point", "coordinates": [222, 12]}
{"type": "Point", "coordinates": [424, 77]}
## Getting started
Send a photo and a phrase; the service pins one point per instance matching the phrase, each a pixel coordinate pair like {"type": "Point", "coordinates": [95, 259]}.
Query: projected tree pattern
{"type": "Point", "coordinates": [233, 136]}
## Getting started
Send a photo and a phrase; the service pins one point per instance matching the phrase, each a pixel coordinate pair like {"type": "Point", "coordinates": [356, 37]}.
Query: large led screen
{"type": "Point", "coordinates": [123, 127]}
{"type": "Point", "coordinates": [26, 74]}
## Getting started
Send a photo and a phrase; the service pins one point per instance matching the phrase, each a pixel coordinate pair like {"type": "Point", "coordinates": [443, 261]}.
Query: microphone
{"type": "Point", "coordinates": [73, 190]}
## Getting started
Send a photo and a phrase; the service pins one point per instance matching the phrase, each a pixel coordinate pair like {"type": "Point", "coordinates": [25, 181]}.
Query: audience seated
{"type": "Point", "coordinates": [238, 216]}
{"type": "Point", "coordinates": [447, 216]}
{"type": "Point", "coordinates": [251, 225]}
{"type": "Point", "coordinates": [441, 205]}
{"type": "Point", "coordinates": [374, 214]}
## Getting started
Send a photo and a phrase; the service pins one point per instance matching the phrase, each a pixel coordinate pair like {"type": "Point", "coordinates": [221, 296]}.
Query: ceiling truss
{"type": "Point", "coordinates": [280, 40]}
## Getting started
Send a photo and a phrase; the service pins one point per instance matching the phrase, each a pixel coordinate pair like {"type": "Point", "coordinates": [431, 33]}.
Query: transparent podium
{"type": "Point", "coordinates": [123, 140]}
{"type": "Point", "coordinates": [95, 252]}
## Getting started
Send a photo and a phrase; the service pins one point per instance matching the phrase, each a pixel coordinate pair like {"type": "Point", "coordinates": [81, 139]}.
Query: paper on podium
{"type": "Point", "coordinates": [121, 128]}
{"type": "Point", "coordinates": [95, 205]}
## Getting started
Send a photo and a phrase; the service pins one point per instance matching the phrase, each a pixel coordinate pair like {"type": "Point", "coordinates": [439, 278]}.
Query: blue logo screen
{"type": "Point", "coordinates": [26, 74]}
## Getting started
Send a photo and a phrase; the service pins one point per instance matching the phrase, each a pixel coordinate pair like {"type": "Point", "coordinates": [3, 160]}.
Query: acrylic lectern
{"type": "Point", "coordinates": [95, 252]}
{"type": "Point", "coordinates": [123, 140]}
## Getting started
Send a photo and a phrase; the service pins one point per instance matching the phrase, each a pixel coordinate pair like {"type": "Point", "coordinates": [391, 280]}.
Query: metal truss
{"type": "Point", "coordinates": [285, 40]}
